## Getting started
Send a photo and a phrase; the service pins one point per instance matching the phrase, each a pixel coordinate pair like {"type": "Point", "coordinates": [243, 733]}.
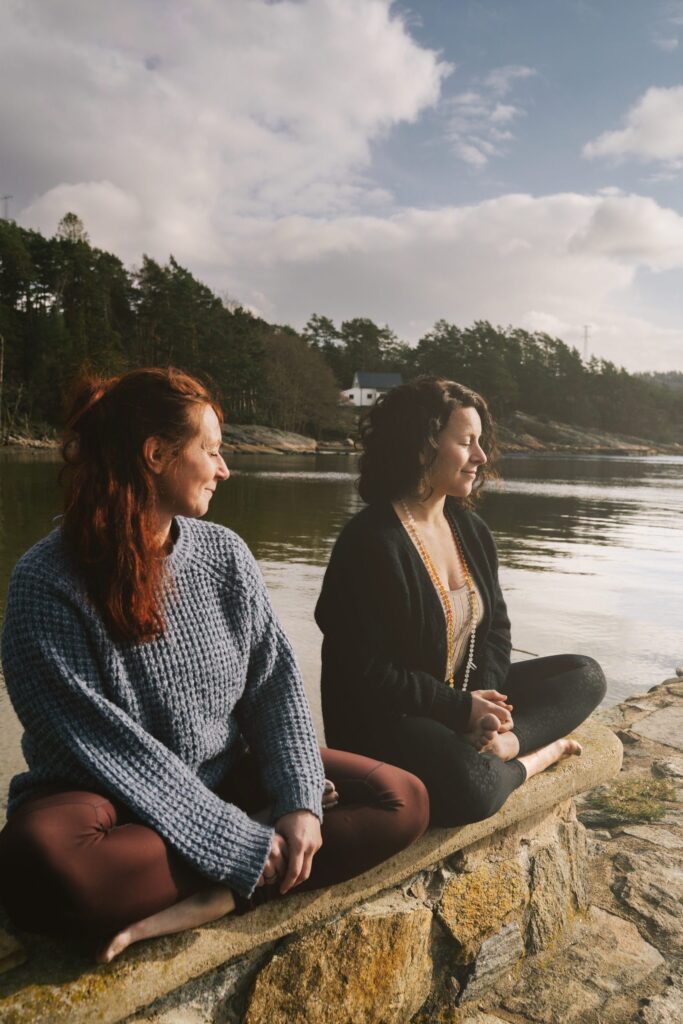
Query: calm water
{"type": "Point", "coordinates": [591, 552]}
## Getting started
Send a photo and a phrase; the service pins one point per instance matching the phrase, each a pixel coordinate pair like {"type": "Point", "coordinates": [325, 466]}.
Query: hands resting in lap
{"type": "Point", "coordinates": [297, 836]}
{"type": "Point", "coordinates": [490, 717]}
{"type": "Point", "coordinates": [295, 842]}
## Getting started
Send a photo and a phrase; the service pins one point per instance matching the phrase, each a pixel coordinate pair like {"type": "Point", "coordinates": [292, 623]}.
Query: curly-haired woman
{"type": "Point", "coordinates": [416, 650]}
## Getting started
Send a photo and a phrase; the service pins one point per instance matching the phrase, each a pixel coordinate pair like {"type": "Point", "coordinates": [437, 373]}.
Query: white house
{"type": "Point", "coordinates": [367, 387]}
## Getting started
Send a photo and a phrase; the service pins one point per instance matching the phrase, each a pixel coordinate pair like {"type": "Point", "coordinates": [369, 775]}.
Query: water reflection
{"type": "Point", "coordinates": [590, 550]}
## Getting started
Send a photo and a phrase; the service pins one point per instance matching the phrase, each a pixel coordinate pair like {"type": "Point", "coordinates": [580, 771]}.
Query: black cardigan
{"type": "Point", "coordinates": [384, 632]}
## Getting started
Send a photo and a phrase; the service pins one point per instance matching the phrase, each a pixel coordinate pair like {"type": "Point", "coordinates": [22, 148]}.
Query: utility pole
{"type": "Point", "coordinates": [586, 328]}
{"type": "Point", "coordinates": [5, 206]}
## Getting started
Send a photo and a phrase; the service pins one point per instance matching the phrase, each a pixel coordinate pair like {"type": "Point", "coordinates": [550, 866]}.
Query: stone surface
{"type": "Point", "coordinates": [667, 1007]}
{"type": "Point", "coordinates": [651, 885]}
{"type": "Point", "coordinates": [481, 1018]}
{"type": "Point", "coordinates": [656, 836]}
{"type": "Point", "coordinates": [669, 769]}
{"type": "Point", "coordinates": [497, 954]}
{"type": "Point", "coordinates": [476, 904]}
{"type": "Point", "coordinates": [557, 887]}
{"type": "Point", "coordinates": [58, 985]}
{"type": "Point", "coordinates": [12, 952]}
{"type": "Point", "coordinates": [373, 966]}
{"type": "Point", "coordinates": [209, 999]}
{"type": "Point", "coordinates": [663, 726]}
{"type": "Point", "coordinates": [607, 956]}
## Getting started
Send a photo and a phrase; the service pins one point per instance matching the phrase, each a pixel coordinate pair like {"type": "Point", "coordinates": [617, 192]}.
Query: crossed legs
{"type": "Point", "coordinates": [74, 862]}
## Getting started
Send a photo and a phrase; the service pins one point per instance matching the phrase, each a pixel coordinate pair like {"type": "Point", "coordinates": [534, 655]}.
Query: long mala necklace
{"type": "Point", "coordinates": [445, 598]}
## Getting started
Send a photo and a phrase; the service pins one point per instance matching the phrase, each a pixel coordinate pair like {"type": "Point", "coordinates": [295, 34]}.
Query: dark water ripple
{"type": "Point", "coordinates": [591, 552]}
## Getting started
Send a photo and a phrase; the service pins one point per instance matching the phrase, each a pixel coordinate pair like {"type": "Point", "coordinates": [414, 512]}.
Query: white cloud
{"type": "Point", "coordinates": [196, 114]}
{"type": "Point", "coordinates": [666, 43]}
{"type": "Point", "coordinates": [478, 122]}
{"type": "Point", "coordinates": [550, 263]}
{"type": "Point", "coordinates": [239, 137]}
{"type": "Point", "coordinates": [652, 132]}
{"type": "Point", "coordinates": [500, 80]}
{"type": "Point", "coordinates": [635, 231]}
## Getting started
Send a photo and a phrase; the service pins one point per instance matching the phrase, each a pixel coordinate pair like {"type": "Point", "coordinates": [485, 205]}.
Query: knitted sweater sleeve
{"type": "Point", "coordinates": [273, 712]}
{"type": "Point", "coordinates": [56, 685]}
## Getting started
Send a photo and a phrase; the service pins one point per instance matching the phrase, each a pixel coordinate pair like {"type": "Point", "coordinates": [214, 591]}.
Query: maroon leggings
{"type": "Point", "coordinates": [77, 863]}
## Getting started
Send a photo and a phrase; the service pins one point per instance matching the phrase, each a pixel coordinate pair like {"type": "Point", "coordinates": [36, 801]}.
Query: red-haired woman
{"type": "Point", "coordinates": [172, 762]}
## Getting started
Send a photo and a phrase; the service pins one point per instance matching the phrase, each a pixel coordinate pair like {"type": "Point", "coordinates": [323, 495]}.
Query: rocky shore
{"type": "Point", "coordinates": [622, 961]}
{"type": "Point", "coordinates": [518, 434]}
{"type": "Point", "coordinates": [555, 911]}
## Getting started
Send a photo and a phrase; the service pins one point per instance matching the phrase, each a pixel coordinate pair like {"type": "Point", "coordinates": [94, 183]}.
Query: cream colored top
{"type": "Point", "coordinates": [462, 622]}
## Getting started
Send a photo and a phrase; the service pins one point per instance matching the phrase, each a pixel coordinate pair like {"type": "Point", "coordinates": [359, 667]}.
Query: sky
{"type": "Point", "coordinates": [517, 161]}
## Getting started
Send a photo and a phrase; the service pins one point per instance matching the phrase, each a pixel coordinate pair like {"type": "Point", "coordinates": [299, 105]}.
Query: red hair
{"type": "Point", "coordinates": [110, 497]}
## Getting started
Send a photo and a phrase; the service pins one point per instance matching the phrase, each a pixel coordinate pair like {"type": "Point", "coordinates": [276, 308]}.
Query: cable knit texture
{"type": "Point", "coordinates": [157, 725]}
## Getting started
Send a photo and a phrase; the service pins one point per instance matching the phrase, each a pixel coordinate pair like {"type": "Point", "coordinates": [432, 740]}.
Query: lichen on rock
{"type": "Point", "coordinates": [372, 965]}
{"type": "Point", "coordinates": [477, 904]}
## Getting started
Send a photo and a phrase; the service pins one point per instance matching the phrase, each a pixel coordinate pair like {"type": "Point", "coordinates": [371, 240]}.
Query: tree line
{"type": "Point", "coordinates": [66, 306]}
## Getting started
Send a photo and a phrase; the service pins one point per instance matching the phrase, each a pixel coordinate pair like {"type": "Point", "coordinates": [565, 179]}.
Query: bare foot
{"type": "Point", "coordinates": [538, 760]}
{"type": "Point", "coordinates": [484, 732]}
{"type": "Point", "coordinates": [504, 744]}
{"type": "Point", "coordinates": [207, 905]}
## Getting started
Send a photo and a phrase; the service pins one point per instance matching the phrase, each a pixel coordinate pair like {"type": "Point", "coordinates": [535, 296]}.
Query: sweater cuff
{"type": "Point", "coordinates": [452, 708]}
{"type": "Point", "coordinates": [299, 796]}
{"type": "Point", "coordinates": [255, 841]}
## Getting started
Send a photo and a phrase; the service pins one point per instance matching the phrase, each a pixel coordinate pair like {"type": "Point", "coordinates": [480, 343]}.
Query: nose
{"type": "Point", "coordinates": [222, 471]}
{"type": "Point", "coordinates": [478, 455]}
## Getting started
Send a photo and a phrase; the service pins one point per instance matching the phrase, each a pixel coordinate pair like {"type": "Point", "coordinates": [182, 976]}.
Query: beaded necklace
{"type": "Point", "coordinates": [411, 526]}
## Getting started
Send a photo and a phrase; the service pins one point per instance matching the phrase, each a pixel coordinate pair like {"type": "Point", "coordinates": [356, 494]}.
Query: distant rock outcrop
{"type": "Point", "coordinates": [521, 432]}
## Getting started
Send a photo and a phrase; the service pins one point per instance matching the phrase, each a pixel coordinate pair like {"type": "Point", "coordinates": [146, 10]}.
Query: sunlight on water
{"type": "Point", "coordinates": [591, 552]}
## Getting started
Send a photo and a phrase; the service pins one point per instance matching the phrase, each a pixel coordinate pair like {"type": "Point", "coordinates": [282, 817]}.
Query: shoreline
{"type": "Point", "coordinates": [519, 435]}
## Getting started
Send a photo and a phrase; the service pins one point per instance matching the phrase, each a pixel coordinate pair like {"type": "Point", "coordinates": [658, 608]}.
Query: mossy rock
{"type": "Point", "coordinates": [632, 800]}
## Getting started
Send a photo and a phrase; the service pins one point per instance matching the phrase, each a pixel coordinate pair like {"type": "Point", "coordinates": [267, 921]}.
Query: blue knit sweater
{"type": "Point", "coordinates": [157, 725]}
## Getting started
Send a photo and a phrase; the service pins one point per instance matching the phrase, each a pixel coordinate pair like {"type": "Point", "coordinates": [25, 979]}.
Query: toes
{"type": "Point", "coordinates": [116, 946]}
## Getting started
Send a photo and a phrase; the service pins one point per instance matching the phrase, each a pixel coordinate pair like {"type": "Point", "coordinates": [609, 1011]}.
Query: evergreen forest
{"type": "Point", "coordinates": [67, 306]}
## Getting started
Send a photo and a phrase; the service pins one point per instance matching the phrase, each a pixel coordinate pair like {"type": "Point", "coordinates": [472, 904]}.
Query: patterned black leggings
{"type": "Point", "coordinates": [550, 697]}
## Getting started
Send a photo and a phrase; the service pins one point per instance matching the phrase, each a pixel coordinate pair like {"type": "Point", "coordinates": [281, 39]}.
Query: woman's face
{"type": "Point", "coordinates": [187, 483]}
{"type": "Point", "coordinates": [458, 456]}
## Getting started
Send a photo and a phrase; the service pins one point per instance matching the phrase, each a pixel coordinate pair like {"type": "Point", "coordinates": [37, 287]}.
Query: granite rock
{"type": "Point", "coordinates": [651, 885]}
{"type": "Point", "coordinates": [663, 726]}
{"type": "Point", "coordinates": [667, 1007]}
{"type": "Point", "coordinates": [669, 769]}
{"type": "Point", "coordinates": [656, 835]}
{"type": "Point", "coordinates": [208, 999]}
{"type": "Point", "coordinates": [478, 903]}
{"type": "Point", "coordinates": [606, 957]}
{"type": "Point", "coordinates": [557, 886]}
{"type": "Point", "coordinates": [12, 952]}
{"type": "Point", "coordinates": [372, 965]}
{"type": "Point", "coordinates": [497, 954]}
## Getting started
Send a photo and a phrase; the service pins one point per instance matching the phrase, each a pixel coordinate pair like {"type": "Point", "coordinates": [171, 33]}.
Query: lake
{"type": "Point", "coordinates": [591, 552]}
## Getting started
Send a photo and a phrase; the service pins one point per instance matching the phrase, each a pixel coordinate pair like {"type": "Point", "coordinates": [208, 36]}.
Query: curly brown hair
{"type": "Point", "coordinates": [399, 438]}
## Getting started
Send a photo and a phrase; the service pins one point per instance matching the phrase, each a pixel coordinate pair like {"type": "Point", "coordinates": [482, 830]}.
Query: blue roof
{"type": "Point", "coordinates": [378, 380]}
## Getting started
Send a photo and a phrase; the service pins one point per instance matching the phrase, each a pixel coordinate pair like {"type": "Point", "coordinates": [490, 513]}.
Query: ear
{"type": "Point", "coordinates": [155, 454]}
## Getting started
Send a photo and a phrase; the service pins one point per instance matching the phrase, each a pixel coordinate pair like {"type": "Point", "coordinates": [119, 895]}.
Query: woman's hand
{"type": "Point", "coordinates": [487, 702]}
{"type": "Point", "coordinates": [301, 833]}
{"type": "Point", "coordinates": [276, 862]}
